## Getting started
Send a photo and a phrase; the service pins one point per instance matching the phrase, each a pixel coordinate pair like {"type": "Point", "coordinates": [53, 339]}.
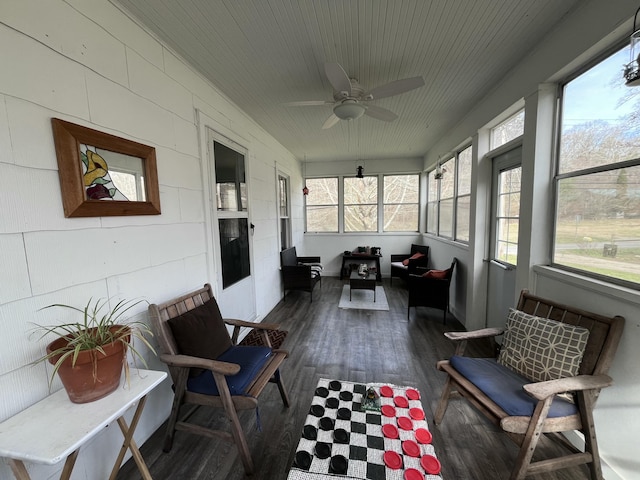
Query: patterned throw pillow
{"type": "Point", "coordinates": [542, 349]}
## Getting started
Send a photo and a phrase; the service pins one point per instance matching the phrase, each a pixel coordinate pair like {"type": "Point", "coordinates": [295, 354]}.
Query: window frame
{"type": "Point", "coordinates": [379, 204]}
{"type": "Point", "coordinates": [305, 182]}
{"type": "Point", "coordinates": [436, 202]}
{"type": "Point", "coordinates": [583, 172]}
{"type": "Point", "coordinates": [385, 204]}
{"type": "Point", "coordinates": [375, 203]}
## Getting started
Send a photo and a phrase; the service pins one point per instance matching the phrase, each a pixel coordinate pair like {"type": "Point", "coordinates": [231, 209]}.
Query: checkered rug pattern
{"type": "Point", "coordinates": [337, 426]}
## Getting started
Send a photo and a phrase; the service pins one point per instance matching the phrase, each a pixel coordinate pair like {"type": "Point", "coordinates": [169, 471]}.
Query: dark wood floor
{"type": "Point", "coordinates": [355, 345]}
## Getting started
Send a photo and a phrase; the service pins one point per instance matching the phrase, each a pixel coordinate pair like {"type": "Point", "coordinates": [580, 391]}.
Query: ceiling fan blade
{"type": "Point", "coordinates": [338, 78]}
{"type": "Point", "coordinates": [331, 121]}
{"type": "Point", "coordinates": [307, 103]}
{"type": "Point", "coordinates": [397, 87]}
{"type": "Point", "coordinates": [380, 113]}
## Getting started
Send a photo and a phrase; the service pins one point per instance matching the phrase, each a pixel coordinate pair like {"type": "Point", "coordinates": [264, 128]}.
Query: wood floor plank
{"type": "Point", "coordinates": [354, 345]}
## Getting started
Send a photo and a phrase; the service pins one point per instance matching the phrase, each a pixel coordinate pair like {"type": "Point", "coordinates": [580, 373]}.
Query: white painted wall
{"type": "Point", "coordinates": [86, 62]}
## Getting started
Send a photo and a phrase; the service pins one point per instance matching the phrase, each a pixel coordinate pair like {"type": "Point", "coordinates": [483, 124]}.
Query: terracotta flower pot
{"type": "Point", "coordinates": [94, 375]}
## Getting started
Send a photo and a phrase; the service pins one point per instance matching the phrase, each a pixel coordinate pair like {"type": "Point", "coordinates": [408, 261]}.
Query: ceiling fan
{"type": "Point", "coordinates": [350, 100]}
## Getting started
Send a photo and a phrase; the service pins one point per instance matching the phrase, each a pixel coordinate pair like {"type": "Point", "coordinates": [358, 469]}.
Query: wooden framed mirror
{"type": "Point", "coordinates": [104, 175]}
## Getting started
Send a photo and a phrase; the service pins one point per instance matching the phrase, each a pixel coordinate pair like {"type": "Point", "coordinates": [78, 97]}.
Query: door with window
{"type": "Point", "coordinates": [232, 229]}
{"type": "Point", "coordinates": [505, 221]}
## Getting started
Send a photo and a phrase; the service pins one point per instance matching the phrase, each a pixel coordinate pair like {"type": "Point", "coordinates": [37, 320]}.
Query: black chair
{"type": "Point", "coordinates": [403, 264]}
{"type": "Point", "coordinates": [299, 273]}
{"type": "Point", "coordinates": [431, 289]}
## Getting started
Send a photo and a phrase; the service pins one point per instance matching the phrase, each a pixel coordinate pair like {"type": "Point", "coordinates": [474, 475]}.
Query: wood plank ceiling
{"type": "Point", "coordinates": [265, 53]}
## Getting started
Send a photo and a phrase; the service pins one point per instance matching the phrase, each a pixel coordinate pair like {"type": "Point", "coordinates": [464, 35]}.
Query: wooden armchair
{"type": "Point", "coordinates": [430, 288]}
{"type": "Point", "coordinates": [404, 264]}
{"type": "Point", "coordinates": [299, 273]}
{"type": "Point", "coordinates": [526, 408]}
{"type": "Point", "coordinates": [209, 369]}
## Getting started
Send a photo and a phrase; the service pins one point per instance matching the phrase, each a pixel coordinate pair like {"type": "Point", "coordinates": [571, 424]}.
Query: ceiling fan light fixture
{"type": "Point", "coordinates": [349, 110]}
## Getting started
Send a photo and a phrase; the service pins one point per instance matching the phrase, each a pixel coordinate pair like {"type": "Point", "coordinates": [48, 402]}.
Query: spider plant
{"type": "Point", "coordinates": [100, 326]}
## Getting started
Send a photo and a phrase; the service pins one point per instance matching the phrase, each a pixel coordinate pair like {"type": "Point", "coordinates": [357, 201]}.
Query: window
{"type": "Point", "coordinates": [449, 197]}
{"type": "Point", "coordinates": [401, 203]}
{"type": "Point", "coordinates": [508, 215]}
{"type": "Point", "coordinates": [283, 212]}
{"type": "Point", "coordinates": [432, 203]}
{"type": "Point", "coordinates": [597, 216]}
{"type": "Point", "coordinates": [322, 204]}
{"type": "Point", "coordinates": [447, 191]}
{"type": "Point", "coordinates": [361, 204]}
{"type": "Point", "coordinates": [463, 197]}
{"type": "Point", "coordinates": [508, 130]}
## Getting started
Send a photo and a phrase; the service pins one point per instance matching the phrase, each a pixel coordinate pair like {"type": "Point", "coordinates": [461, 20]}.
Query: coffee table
{"type": "Point", "coordinates": [362, 442]}
{"type": "Point", "coordinates": [359, 282]}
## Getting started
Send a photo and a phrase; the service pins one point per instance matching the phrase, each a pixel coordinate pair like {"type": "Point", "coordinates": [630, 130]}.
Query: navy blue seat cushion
{"type": "Point", "coordinates": [504, 387]}
{"type": "Point", "coordinates": [251, 361]}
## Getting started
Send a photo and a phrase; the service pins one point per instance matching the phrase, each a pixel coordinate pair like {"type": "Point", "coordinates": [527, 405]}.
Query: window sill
{"type": "Point", "coordinates": [587, 283]}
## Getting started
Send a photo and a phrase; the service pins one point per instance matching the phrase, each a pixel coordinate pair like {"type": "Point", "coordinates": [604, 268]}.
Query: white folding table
{"type": "Point", "coordinates": [54, 429]}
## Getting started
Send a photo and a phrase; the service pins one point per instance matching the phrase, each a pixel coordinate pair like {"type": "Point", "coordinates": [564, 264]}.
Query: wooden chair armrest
{"type": "Point", "coordinates": [398, 257]}
{"type": "Point", "coordinates": [225, 368]}
{"type": "Point", "coordinates": [258, 326]}
{"type": "Point", "coordinates": [473, 334]}
{"type": "Point", "coordinates": [542, 390]}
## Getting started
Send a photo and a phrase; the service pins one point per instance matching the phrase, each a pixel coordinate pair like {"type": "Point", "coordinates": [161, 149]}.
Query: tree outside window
{"type": "Point", "coordinates": [361, 204]}
{"type": "Point", "coordinates": [597, 217]}
{"type": "Point", "coordinates": [401, 203]}
{"type": "Point", "coordinates": [322, 204]}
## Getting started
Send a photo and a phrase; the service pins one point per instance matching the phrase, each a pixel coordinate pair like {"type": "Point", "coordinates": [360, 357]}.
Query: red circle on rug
{"type": "Point", "coordinates": [413, 474]}
{"type": "Point", "coordinates": [386, 391]}
{"type": "Point", "coordinates": [430, 464]}
{"type": "Point", "coordinates": [388, 411]}
{"type": "Point", "coordinates": [401, 402]}
{"type": "Point", "coordinates": [413, 394]}
{"type": "Point", "coordinates": [416, 413]}
{"type": "Point", "coordinates": [423, 435]}
{"type": "Point", "coordinates": [390, 431]}
{"type": "Point", "coordinates": [392, 459]}
{"type": "Point", "coordinates": [411, 448]}
{"type": "Point", "coordinates": [405, 423]}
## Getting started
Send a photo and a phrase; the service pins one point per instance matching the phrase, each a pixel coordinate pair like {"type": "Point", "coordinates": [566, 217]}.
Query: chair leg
{"type": "Point", "coordinates": [444, 402]}
{"type": "Point", "coordinates": [530, 441]}
{"type": "Point", "coordinates": [175, 409]}
{"type": "Point", "coordinates": [236, 427]}
{"type": "Point", "coordinates": [282, 389]}
{"type": "Point", "coordinates": [585, 402]}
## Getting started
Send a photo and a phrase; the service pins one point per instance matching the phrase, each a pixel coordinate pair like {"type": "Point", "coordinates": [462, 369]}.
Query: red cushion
{"type": "Point", "coordinates": [436, 274]}
{"type": "Point", "coordinates": [415, 256]}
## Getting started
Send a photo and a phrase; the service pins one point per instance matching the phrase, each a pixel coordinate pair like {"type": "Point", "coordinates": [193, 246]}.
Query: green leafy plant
{"type": "Point", "coordinates": [100, 326]}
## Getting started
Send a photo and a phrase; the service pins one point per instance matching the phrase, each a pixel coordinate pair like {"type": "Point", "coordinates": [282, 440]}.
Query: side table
{"type": "Point", "coordinates": [54, 429]}
{"type": "Point", "coordinates": [357, 282]}
{"type": "Point", "coordinates": [360, 258]}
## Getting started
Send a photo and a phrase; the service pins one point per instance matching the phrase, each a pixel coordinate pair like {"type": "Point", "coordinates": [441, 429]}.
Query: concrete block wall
{"type": "Point", "coordinates": [86, 62]}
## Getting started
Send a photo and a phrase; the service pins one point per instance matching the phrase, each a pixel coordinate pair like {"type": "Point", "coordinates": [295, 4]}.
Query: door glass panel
{"type": "Point", "coordinates": [231, 187]}
{"type": "Point", "coordinates": [508, 215]}
{"type": "Point", "coordinates": [234, 248]}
